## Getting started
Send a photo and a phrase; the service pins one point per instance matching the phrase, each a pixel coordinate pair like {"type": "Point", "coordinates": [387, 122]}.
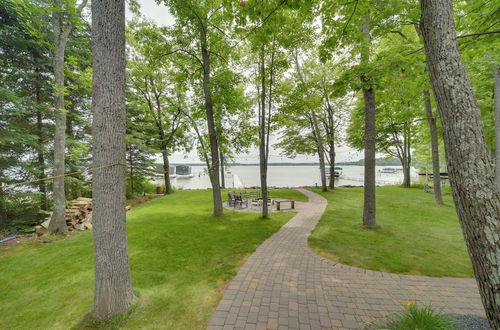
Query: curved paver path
{"type": "Point", "coordinates": [284, 285]}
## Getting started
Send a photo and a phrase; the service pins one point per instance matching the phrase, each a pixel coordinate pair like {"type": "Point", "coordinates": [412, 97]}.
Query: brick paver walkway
{"type": "Point", "coordinates": [284, 285]}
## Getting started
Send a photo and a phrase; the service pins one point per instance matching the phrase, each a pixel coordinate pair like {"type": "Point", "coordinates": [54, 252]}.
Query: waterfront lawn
{"type": "Point", "coordinates": [181, 257]}
{"type": "Point", "coordinates": [416, 236]}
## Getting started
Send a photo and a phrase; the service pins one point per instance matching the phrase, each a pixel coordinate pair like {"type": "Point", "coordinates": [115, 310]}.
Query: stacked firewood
{"type": "Point", "coordinates": [78, 216]}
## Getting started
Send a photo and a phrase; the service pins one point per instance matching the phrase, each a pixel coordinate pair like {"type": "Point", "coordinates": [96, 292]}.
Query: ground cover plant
{"type": "Point", "coordinates": [415, 236]}
{"type": "Point", "coordinates": [180, 258]}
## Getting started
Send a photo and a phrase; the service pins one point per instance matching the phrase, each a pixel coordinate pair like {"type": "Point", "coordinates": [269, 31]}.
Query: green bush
{"type": "Point", "coordinates": [23, 212]}
{"type": "Point", "coordinates": [420, 318]}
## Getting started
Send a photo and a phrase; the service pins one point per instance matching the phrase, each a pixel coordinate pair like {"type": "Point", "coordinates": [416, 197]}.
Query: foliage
{"type": "Point", "coordinates": [416, 317]}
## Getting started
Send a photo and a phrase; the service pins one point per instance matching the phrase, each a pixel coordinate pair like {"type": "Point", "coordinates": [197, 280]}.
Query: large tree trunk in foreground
{"type": "Point", "coordinates": [214, 147]}
{"type": "Point", "coordinates": [369, 207]}
{"type": "Point", "coordinates": [470, 167]}
{"type": "Point", "coordinates": [497, 126]}
{"type": "Point", "coordinates": [113, 291]}
{"type": "Point", "coordinates": [436, 171]}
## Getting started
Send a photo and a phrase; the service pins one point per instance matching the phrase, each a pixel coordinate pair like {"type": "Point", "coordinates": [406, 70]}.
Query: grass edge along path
{"type": "Point", "coordinates": [181, 258]}
{"type": "Point", "coordinates": [415, 236]}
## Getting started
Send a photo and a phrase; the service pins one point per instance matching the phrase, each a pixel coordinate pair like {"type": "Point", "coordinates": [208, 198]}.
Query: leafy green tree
{"type": "Point", "coordinates": [272, 28]}
{"type": "Point", "coordinates": [156, 91]}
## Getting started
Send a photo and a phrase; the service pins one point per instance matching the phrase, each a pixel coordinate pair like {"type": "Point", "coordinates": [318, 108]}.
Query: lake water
{"type": "Point", "coordinates": [287, 176]}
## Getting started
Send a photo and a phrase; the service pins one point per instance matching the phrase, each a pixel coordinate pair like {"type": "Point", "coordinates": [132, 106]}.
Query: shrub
{"type": "Point", "coordinates": [420, 318]}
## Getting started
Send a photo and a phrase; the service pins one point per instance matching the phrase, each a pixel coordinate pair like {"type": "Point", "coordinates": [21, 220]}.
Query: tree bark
{"type": "Point", "coordinates": [331, 183]}
{"type": "Point", "coordinates": [436, 170]}
{"type": "Point", "coordinates": [113, 291]}
{"type": "Point", "coordinates": [406, 160]}
{"type": "Point", "coordinates": [262, 146]}
{"type": "Point", "coordinates": [214, 147]}
{"type": "Point", "coordinates": [57, 224]}
{"type": "Point", "coordinates": [321, 153]}
{"type": "Point", "coordinates": [166, 169]}
{"type": "Point", "coordinates": [222, 177]}
{"type": "Point", "coordinates": [369, 207]}
{"type": "Point", "coordinates": [40, 152]}
{"type": "Point", "coordinates": [3, 204]}
{"type": "Point", "coordinates": [497, 126]}
{"type": "Point", "coordinates": [131, 167]}
{"type": "Point", "coordinates": [470, 168]}
{"type": "Point", "coordinates": [331, 143]}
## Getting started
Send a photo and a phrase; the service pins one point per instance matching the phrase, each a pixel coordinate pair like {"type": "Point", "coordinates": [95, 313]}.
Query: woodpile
{"type": "Point", "coordinates": [78, 216]}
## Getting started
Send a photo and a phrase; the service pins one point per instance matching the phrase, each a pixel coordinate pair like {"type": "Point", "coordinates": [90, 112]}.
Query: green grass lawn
{"type": "Point", "coordinates": [416, 236]}
{"type": "Point", "coordinates": [181, 258]}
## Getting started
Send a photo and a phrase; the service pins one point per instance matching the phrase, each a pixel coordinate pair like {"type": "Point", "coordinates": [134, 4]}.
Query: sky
{"type": "Point", "coordinates": [160, 15]}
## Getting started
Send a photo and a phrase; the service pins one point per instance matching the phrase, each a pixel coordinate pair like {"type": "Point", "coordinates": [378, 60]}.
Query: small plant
{"type": "Point", "coordinates": [420, 318]}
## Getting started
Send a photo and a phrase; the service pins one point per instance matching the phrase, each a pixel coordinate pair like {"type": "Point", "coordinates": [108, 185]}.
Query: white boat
{"type": "Point", "coordinates": [337, 173]}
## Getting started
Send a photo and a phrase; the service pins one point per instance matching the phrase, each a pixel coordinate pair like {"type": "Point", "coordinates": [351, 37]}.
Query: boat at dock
{"type": "Point", "coordinates": [337, 173]}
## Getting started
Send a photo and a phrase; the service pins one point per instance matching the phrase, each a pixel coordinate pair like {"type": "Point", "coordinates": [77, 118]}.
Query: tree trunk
{"type": "Point", "coordinates": [497, 127]}
{"type": "Point", "coordinates": [214, 147]}
{"type": "Point", "coordinates": [222, 177]}
{"type": "Point", "coordinates": [476, 197]}
{"type": "Point", "coordinates": [369, 207]}
{"type": "Point", "coordinates": [3, 204]}
{"type": "Point", "coordinates": [166, 169]}
{"type": "Point", "coordinates": [436, 170]}
{"type": "Point", "coordinates": [331, 183]}
{"type": "Point", "coordinates": [41, 158]}
{"type": "Point", "coordinates": [113, 291]}
{"type": "Point", "coordinates": [262, 146]}
{"type": "Point", "coordinates": [406, 161]}
{"type": "Point", "coordinates": [321, 153]}
{"type": "Point", "coordinates": [57, 224]}
{"type": "Point", "coordinates": [131, 166]}
{"type": "Point", "coordinates": [331, 143]}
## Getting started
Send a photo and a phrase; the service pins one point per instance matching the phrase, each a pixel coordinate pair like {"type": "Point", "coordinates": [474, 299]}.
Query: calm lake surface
{"type": "Point", "coordinates": [286, 176]}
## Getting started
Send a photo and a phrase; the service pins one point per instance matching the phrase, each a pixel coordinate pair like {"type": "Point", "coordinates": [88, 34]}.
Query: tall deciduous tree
{"type": "Point", "coordinates": [476, 196]}
{"type": "Point", "coordinates": [156, 90]}
{"type": "Point", "coordinates": [64, 14]}
{"type": "Point", "coordinates": [201, 34]}
{"type": "Point", "coordinates": [436, 171]}
{"type": "Point", "coordinates": [113, 291]}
